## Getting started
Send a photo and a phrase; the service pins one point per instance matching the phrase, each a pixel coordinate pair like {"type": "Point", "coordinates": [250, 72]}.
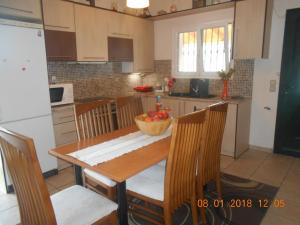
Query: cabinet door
{"type": "Point", "coordinates": [249, 29]}
{"type": "Point", "coordinates": [229, 137]}
{"type": "Point", "coordinates": [58, 15]}
{"type": "Point", "coordinates": [21, 8]}
{"type": "Point", "coordinates": [120, 49]}
{"type": "Point", "coordinates": [148, 103]}
{"type": "Point", "coordinates": [65, 133]}
{"type": "Point", "coordinates": [63, 114]}
{"type": "Point", "coordinates": [173, 105]}
{"type": "Point", "coordinates": [60, 45]}
{"type": "Point", "coordinates": [190, 106]}
{"type": "Point", "coordinates": [143, 46]}
{"type": "Point", "coordinates": [120, 25]}
{"type": "Point", "coordinates": [91, 33]}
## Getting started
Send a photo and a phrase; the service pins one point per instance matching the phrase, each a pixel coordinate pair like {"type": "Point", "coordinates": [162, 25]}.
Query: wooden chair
{"type": "Point", "coordinates": [209, 157]}
{"type": "Point", "coordinates": [74, 205]}
{"type": "Point", "coordinates": [93, 119]}
{"type": "Point", "coordinates": [127, 109]}
{"type": "Point", "coordinates": [169, 187]}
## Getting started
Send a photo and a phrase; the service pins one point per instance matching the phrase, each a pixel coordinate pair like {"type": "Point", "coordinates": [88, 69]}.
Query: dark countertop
{"type": "Point", "coordinates": [98, 98]}
{"type": "Point", "coordinates": [233, 100]}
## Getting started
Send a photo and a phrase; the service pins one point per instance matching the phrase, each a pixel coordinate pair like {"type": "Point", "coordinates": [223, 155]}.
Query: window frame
{"type": "Point", "coordinates": [175, 66]}
{"type": "Point", "coordinates": [200, 67]}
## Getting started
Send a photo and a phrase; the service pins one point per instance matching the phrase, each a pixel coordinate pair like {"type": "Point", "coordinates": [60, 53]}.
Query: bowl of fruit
{"type": "Point", "coordinates": [154, 123]}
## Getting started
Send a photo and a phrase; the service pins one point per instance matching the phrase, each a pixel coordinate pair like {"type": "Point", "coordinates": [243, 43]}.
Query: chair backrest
{"type": "Point", "coordinates": [209, 157]}
{"type": "Point", "coordinates": [93, 119]}
{"type": "Point", "coordinates": [127, 109]}
{"type": "Point", "coordinates": [187, 136]}
{"type": "Point", "coordinates": [33, 197]}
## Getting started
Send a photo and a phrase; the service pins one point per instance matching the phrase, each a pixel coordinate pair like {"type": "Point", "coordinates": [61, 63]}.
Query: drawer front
{"type": "Point", "coordinates": [63, 114]}
{"type": "Point", "coordinates": [65, 133]}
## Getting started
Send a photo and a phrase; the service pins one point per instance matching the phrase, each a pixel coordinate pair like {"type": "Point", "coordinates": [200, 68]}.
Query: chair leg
{"type": "Point", "coordinates": [114, 219]}
{"type": "Point", "coordinates": [111, 194]}
{"type": "Point", "coordinates": [202, 209]}
{"type": "Point", "coordinates": [194, 210]}
{"type": "Point", "coordinates": [167, 217]}
{"type": "Point", "coordinates": [218, 185]}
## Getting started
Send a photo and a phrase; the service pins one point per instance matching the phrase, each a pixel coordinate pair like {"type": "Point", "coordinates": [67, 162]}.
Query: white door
{"type": "Point", "coordinates": [24, 91]}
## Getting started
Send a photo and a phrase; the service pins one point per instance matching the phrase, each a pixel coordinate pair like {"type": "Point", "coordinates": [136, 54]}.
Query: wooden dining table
{"type": "Point", "coordinates": [118, 169]}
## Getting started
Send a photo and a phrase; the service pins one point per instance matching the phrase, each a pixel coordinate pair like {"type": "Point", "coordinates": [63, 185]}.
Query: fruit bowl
{"type": "Point", "coordinates": [152, 128]}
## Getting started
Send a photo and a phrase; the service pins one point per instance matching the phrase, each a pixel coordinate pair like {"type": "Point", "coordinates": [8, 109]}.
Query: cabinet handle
{"type": "Point", "coordinates": [91, 57]}
{"type": "Point", "coordinates": [65, 117]}
{"type": "Point", "coordinates": [57, 56]}
{"type": "Point", "coordinates": [21, 10]}
{"type": "Point", "coordinates": [114, 33]}
{"type": "Point", "coordinates": [68, 132]}
{"type": "Point", "coordinates": [57, 26]}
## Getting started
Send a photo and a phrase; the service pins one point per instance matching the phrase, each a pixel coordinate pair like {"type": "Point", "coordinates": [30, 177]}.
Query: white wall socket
{"type": "Point", "coordinates": [272, 85]}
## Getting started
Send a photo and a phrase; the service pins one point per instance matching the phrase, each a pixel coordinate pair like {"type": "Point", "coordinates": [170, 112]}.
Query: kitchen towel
{"type": "Point", "coordinates": [114, 148]}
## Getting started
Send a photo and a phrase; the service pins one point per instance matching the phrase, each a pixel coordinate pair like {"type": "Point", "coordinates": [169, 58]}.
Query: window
{"type": "Point", "coordinates": [187, 61]}
{"type": "Point", "coordinates": [203, 52]}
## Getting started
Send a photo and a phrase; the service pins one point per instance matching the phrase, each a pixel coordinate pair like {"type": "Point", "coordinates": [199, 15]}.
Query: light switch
{"type": "Point", "coordinates": [1, 115]}
{"type": "Point", "coordinates": [272, 85]}
{"type": "Point", "coordinates": [53, 79]}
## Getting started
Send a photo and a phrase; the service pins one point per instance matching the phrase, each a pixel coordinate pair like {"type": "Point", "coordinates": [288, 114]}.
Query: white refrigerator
{"type": "Point", "coordinates": [24, 91]}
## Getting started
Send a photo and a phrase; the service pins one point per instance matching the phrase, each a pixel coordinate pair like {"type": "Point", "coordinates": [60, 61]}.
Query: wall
{"type": "Point", "coordinates": [263, 121]}
{"type": "Point", "coordinates": [155, 5]}
{"type": "Point", "coordinates": [163, 29]}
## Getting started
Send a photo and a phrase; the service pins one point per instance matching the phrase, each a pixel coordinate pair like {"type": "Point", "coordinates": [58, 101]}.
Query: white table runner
{"type": "Point", "coordinates": [114, 148]}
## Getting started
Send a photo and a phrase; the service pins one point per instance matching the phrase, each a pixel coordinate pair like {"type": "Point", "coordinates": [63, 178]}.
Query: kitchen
{"type": "Point", "coordinates": [102, 50]}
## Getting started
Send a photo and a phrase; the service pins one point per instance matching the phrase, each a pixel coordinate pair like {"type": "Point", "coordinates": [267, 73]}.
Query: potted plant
{"type": "Point", "coordinates": [225, 76]}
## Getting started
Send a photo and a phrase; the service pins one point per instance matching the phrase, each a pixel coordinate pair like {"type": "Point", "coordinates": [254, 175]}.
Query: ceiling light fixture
{"type": "Point", "coordinates": [137, 4]}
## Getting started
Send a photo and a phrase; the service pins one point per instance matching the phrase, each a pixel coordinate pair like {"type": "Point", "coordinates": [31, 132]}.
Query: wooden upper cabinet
{"type": "Point", "coordinates": [59, 15]}
{"type": "Point", "coordinates": [143, 46]}
{"type": "Point", "coordinates": [27, 9]}
{"type": "Point", "coordinates": [252, 29]}
{"type": "Point", "coordinates": [120, 49]}
{"type": "Point", "coordinates": [91, 33]}
{"type": "Point", "coordinates": [120, 25]}
{"type": "Point", "coordinates": [60, 45]}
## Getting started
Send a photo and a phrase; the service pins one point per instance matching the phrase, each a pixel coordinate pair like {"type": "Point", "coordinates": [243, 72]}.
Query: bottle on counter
{"type": "Point", "coordinates": [158, 104]}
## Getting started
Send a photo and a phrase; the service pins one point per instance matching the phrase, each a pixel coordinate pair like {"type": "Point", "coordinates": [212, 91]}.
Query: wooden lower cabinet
{"type": "Point", "coordinates": [237, 128]}
{"type": "Point", "coordinates": [64, 128]}
{"type": "Point", "coordinates": [148, 103]}
{"type": "Point", "coordinates": [176, 106]}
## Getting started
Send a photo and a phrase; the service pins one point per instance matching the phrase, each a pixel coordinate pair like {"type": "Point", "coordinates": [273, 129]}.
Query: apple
{"type": "Point", "coordinates": [151, 113]}
{"type": "Point", "coordinates": [148, 119]}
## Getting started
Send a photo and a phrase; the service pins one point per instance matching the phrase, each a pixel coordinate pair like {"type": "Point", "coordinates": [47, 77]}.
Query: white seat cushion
{"type": "Point", "coordinates": [79, 206]}
{"type": "Point", "coordinates": [99, 177]}
{"type": "Point", "coordinates": [149, 183]}
{"type": "Point", "coordinates": [162, 163]}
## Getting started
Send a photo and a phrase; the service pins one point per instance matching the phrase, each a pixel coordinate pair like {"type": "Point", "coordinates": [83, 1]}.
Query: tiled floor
{"type": "Point", "coordinates": [276, 170]}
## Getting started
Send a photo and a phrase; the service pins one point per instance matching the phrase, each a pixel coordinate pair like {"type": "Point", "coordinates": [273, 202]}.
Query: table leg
{"type": "Point", "coordinates": [78, 175]}
{"type": "Point", "coordinates": [122, 202]}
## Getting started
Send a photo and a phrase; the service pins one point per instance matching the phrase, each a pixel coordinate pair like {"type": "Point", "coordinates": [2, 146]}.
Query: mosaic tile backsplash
{"type": "Point", "coordinates": [93, 80]}
{"type": "Point", "coordinates": [240, 85]}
